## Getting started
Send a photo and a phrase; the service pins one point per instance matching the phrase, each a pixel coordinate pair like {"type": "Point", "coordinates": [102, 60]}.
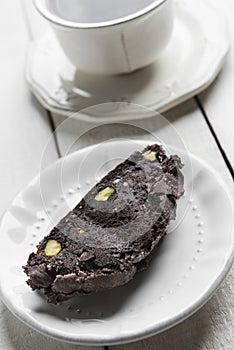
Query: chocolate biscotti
{"type": "Point", "coordinates": [111, 232]}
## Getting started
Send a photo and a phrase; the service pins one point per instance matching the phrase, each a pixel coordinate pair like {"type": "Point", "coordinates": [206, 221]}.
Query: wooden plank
{"type": "Point", "coordinates": [218, 100]}
{"type": "Point", "coordinates": [24, 124]}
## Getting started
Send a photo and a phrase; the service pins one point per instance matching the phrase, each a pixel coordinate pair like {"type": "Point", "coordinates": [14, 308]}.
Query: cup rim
{"type": "Point", "coordinates": [39, 4]}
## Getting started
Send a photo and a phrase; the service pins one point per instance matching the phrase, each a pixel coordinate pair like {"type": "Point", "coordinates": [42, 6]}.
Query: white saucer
{"type": "Point", "coordinates": [190, 63]}
{"type": "Point", "coordinates": [188, 266]}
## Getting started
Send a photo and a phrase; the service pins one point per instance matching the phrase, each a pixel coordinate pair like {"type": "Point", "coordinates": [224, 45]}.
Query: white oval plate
{"type": "Point", "coordinates": [188, 265]}
{"type": "Point", "coordinates": [190, 63]}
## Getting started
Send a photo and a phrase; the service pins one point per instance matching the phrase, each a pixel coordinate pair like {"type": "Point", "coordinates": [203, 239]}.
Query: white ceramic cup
{"type": "Point", "coordinates": [110, 36]}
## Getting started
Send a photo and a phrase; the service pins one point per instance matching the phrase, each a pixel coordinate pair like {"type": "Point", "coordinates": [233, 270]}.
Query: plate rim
{"type": "Point", "coordinates": [149, 331]}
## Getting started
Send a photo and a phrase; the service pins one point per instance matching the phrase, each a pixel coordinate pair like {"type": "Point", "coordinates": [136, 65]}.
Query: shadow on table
{"type": "Point", "coordinates": [72, 135]}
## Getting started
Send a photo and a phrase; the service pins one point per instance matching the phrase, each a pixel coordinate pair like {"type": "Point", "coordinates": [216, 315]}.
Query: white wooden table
{"type": "Point", "coordinates": [206, 124]}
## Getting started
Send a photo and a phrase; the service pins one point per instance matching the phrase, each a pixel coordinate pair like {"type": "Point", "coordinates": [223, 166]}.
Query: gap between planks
{"type": "Point", "coordinates": [53, 128]}
{"type": "Point", "coordinates": [224, 155]}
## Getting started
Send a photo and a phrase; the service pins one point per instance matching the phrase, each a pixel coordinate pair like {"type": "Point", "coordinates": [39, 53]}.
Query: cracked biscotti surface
{"type": "Point", "coordinates": [111, 232]}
